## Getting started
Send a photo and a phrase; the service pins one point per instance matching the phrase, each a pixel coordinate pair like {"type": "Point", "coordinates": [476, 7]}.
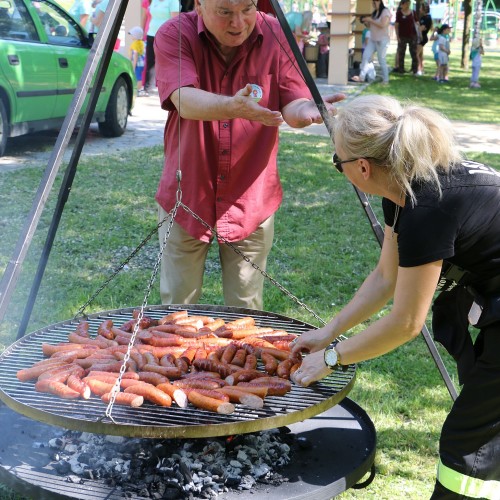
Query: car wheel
{"type": "Point", "coordinates": [117, 111]}
{"type": "Point", "coordinates": [4, 128]}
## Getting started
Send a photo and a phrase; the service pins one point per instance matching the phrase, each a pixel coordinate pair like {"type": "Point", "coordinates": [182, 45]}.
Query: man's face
{"type": "Point", "coordinates": [231, 23]}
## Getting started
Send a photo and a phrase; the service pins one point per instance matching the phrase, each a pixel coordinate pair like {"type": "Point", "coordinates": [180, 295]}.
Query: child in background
{"type": "Point", "coordinates": [435, 50]}
{"type": "Point", "coordinates": [475, 56]}
{"type": "Point", "coordinates": [136, 55]}
{"type": "Point", "coordinates": [443, 53]}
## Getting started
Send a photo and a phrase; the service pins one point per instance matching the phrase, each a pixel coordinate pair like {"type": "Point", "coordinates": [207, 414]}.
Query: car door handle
{"type": "Point", "coordinates": [63, 62]}
{"type": "Point", "coordinates": [13, 60]}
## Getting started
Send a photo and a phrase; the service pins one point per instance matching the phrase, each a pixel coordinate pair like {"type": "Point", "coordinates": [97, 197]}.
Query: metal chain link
{"type": "Point", "coordinates": [255, 266]}
{"type": "Point", "coordinates": [116, 388]}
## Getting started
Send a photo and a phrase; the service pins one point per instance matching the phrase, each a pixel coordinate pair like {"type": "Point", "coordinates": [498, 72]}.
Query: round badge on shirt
{"type": "Point", "coordinates": [256, 93]}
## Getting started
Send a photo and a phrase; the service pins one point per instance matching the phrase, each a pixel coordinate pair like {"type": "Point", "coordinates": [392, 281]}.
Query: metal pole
{"type": "Point", "coordinates": [13, 269]}
{"type": "Point", "coordinates": [374, 223]}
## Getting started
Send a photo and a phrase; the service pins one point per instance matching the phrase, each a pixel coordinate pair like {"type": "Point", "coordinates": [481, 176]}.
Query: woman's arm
{"type": "Point", "coordinates": [413, 294]}
{"type": "Point", "coordinates": [382, 22]}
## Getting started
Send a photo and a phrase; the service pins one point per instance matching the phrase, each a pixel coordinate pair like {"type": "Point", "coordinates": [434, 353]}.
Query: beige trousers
{"type": "Point", "coordinates": [183, 265]}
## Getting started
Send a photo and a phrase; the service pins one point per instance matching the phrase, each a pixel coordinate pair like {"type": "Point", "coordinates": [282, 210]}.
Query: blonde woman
{"type": "Point", "coordinates": [441, 213]}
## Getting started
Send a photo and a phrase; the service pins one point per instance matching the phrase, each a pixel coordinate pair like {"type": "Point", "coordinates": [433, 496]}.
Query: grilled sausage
{"type": "Point", "coordinates": [210, 404]}
{"type": "Point", "coordinates": [150, 393]}
{"type": "Point", "coordinates": [123, 398]}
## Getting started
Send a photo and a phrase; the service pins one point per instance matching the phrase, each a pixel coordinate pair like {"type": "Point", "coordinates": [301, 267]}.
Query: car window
{"type": "Point", "coordinates": [15, 22]}
{"type": "Point", "coordinates": [60, 28]}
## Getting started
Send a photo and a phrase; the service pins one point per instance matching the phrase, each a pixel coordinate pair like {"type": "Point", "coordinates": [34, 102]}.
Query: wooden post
{"type": "Point", "coordinates": [341, 40]}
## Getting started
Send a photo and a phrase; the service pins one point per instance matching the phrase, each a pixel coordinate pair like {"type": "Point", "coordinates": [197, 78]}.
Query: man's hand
{"type": "Point", "coordinates": [304, 112]}
{"type": "Point", "coordinates": [244, 106]}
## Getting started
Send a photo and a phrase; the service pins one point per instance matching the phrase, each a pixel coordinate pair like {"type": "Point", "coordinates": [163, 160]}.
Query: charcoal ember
{"type": "Point", "coordinates": [144, 493]}
{"type": "Point", "coordinates": [185, 471]}
{"type": "Point", "coordinates": [62, 467]}
{"type": "Point", "coordinates": [56, 443]}
{"type": "Point", "coordinates": [232, 480]}
{"type": "Point", "coordinates": [247, 482]}
{"type": "Point", "coordinates": [85, 458]}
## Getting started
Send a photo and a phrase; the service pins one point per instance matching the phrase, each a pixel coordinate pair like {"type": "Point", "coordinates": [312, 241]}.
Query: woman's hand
{"type": "Point", "coordinates": [313, 368]}
{"type": "Point", "coordinates": [311, 341]}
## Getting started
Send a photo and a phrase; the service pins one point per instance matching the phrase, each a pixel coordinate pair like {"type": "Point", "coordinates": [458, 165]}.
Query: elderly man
{"type": "Point", "coordinates": [224, 140]}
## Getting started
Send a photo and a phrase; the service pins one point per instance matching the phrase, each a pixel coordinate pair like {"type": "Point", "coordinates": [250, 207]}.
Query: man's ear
{"type": "Point", "coordinates": [197, 7]}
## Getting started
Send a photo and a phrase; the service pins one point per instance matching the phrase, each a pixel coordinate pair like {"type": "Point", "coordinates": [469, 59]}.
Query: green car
{"type": "Point", "coordinates": [43, 52]}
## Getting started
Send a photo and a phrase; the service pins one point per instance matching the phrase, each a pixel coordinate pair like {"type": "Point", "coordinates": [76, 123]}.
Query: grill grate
{"type": "Point", "coordinates": [150, 420]}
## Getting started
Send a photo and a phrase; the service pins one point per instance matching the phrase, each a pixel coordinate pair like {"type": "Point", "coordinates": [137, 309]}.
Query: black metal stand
{"type": "Point", "coordinates": [374, 223]}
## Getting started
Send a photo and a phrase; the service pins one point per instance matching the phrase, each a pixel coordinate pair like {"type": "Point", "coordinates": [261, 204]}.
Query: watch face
{"type": "Point", "coordinates": [331, 358]}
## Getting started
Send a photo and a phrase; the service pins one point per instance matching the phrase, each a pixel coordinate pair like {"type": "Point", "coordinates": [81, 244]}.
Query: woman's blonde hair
{"type": "Point", "coordinates": [413, 142]}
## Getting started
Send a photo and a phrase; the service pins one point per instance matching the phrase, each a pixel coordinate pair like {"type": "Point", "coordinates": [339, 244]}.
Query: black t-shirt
{"type": "Point", "coordinates": [425, 20]}
{"type": "Point", "coordinates": [462, 227]}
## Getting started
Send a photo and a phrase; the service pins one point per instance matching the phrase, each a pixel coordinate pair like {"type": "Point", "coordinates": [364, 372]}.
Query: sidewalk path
{"type": "Point", "coordinates": [145, 128]}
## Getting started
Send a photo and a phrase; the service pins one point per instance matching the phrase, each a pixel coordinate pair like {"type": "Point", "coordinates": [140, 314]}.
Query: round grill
{"type": "Point", "coordinates": [154, 421]}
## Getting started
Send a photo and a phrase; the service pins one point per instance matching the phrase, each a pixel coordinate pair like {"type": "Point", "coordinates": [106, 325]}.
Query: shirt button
{"type": "Point", "coordinates": [219, 198]}
{"type": "Point", "coordinates": [222, 177]}
{"type": "Point", "coordinates": [224, 152]}
{"type": "Point", "coordinates": [225, 125]}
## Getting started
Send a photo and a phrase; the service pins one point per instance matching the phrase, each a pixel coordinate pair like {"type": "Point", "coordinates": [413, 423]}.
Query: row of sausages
{"type": "Point", "coordinates": [207, 362]}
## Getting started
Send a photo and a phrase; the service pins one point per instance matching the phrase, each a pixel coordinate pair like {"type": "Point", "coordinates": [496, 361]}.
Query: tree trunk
{"type": "Point", "coordinates": [466, 35]}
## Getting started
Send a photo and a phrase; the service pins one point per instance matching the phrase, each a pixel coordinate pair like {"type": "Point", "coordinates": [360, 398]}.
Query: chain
{"type": "Point", "coordinates": [116, 388]}
{"type": "Point", "coordinates": [255, 266]}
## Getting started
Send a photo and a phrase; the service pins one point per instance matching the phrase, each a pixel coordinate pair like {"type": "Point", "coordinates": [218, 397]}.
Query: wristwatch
{"type": "Point", "coordinates": [332, 358]}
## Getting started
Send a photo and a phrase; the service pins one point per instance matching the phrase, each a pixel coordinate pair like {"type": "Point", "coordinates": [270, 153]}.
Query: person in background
{"type": "Point", "coordinates": [443, 52]}
{"type": "Point", "coordinates": [136, 55]}
{"type": "Point", "coordinates": [145, 19]}
{"type": "Point", "coordinates": [425, 25]}
{"type": "Point", "coordinates": [81, 10]}
{"type": "Point", "coordinates": [300, 24]}
{"type": "Point", "coordinates": [98, 17]}
{"type": "Point", "coordinates": [435, 52]}
{"type": "Point", "coordinates": [442, 213]}
{"type": "Point", "coordinates": [324, 50]}
{"type": "Point", "coordinates": [225, 142]}
{"type": "Point", "coordinates": [161, 11]}
{"type": "Point", "coordinates": [378, 41]}
{"type": "Point", "coordinates": [476, 55]}
{"type": "Point", "coordinates": [406, 33]}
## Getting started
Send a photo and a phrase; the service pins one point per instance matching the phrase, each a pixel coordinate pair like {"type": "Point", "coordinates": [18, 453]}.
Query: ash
{"type": "Point", "coordinates": [174, 468]}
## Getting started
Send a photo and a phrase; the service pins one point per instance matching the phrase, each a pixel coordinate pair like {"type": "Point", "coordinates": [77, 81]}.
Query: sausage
{"type": "Point", "coordinates": [278, 387]}
{"type": "Point", "coordinates": [270, 363]}
{"type": "Point", "coordinates": [170, 372]}
{"type": "Point", "coordinates": [209, 393]}
{"type": "Point", "coordinates": [104, 329]}
{"type": "Point", "coordinates": [158, 341]}
{"type": "Point", "coordinates": [239, 358]}
{"type": "Point", "coordinates": [189, 354]}
{"type": "Point", "coordinates": [152, 378]}
{"type": "Point", "coordinates": [125, 399]}
{"type": "Point", "coordinates": [61, 373]}
{"type": "Point", "coordinates": [167, 360]}
{"type": "Point", "coordinates": [182, 365]}
{"type": "Point", "coordinates": [35, 371]}
{"type": "Point", "coordinates": [76, 339]}
{"type": "Point", "coordinates": [250, 362]}
{"type": "Point", "coordinates": [150, 358]}
{"type": "Point", "coordinates": [201, 353]}
{"type": "Point", "coordinates": [56, 388]}
{"type": "Point", "coordinates": [213, 325]}
{"type": "Point", "coordinates": [198, 383]}
{"type": "Point", "coordinates": [177, 394]}
{"type": "Point", "coordinates": [210, 404]}
{"type": "Point", "coordinates": [283, 370]}
{"type": "Point", "coordinates": [242, 333]}
{"type": "Point", "coordinates": [240, 396]}
{"type": "Point", "coordinates": [99, 387]}
{"type": "Point", "coordinates": [245, 322]}
{"type": "Point", "coordinates": [228, 354]}
{"type": "Point", "coordinates": [150, 393]}
{"type": "Point", "coordinates": [50, 349]}
{"type": "Point", "coordinates": [258, 390]}
{"type": "Point", "coordinates": [282, 345]}
{"type": "Point", "coordinates": [277, 353]}
{"type": "Point", "coordinates": [203, 374]}
{"type": "Point", "coordinates": [78, 385]}
{"type": "Point", "coordinates": [190, 321]}
{"type": "Point", "coordinates": [82, 328]}
{"type": "Point", "coordinates": [131, 375]}
{"type": "Point", "coordinates": [212, 366]}
{"type": "Point", "coordinates": [243, 376]}
{"type": "Point", "coordinates": [169, 318]}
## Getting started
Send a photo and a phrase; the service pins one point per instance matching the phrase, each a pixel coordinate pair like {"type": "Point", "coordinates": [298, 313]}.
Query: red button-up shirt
{"type": "Point", "coordinates": [229, 167]}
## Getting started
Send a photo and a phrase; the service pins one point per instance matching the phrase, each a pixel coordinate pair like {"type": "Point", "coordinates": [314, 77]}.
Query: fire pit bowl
{"type": "Point", "coordinates": [333, 451]}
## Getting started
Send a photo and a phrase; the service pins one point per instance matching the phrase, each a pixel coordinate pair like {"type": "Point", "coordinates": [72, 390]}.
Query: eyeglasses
{"type": "Point", "coordinates": [337, 162]}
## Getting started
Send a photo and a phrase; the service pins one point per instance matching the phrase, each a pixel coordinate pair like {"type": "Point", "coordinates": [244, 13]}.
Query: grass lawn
{"type": "Point", "coordinates": [323, 249]}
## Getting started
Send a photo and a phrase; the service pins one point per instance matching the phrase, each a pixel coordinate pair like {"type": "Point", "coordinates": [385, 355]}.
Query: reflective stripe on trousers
{"type": "Point", "coordinates": [466, 485]}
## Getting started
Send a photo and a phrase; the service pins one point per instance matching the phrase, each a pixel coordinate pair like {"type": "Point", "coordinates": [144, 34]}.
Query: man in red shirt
{"type": "Point", "coordinates": [224, 142]}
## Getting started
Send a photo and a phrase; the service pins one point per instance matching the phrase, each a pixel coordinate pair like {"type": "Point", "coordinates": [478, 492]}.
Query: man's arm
{"type": "Point", "coordinates": [303, 112]}
{"type": "Point", "coordinates": [197, 104]}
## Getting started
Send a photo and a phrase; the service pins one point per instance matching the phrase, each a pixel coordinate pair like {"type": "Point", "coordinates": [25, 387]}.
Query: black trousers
{"type": "Point", "coordinates": [401, 52]}
{"type": "Point", "coordinates": [470, 438]}
{"type": "Point", "coordinates": [150, 63]}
